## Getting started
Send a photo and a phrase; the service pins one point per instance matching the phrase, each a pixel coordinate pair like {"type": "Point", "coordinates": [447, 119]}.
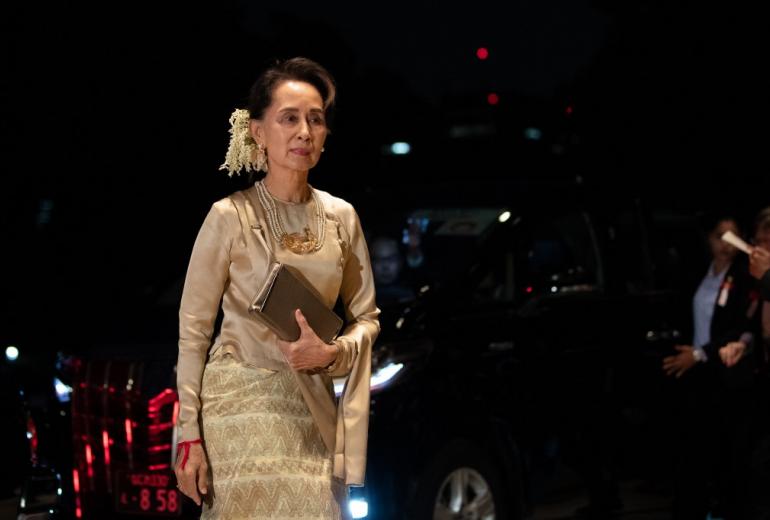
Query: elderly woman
{"type": "Point", "coordinates": [261, 435]}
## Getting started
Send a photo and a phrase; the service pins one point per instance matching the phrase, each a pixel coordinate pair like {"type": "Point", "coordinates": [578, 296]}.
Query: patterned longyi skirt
{"type": "Point", "coordinates": [265, 452]}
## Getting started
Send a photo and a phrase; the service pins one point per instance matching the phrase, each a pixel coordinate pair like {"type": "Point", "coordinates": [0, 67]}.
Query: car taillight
{"type": "Point", "coordinates": [106, 445]}
{"type": "Point", "coordinates": [33, 440]}
{"type": "Point", "coordinates": [76, 489]}
{"type": "Point", "coordinates": [160, 429]}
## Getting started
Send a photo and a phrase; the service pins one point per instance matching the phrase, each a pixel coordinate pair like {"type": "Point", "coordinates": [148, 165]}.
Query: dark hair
{"type": "Point", "coordinates": [293, 69]}
{"type": "Point", "coordinates": [709, 221]}
{"type": "Point", "coordinates": [762, 222]}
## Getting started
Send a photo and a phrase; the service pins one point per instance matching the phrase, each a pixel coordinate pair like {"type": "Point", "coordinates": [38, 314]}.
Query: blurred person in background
{"type": "Point", "coordinates": [759, 265]}
{"type": "Point", "coordinates": [714, 398]}
{"type": "Point", "coordinates": [759, 468]}
{"type": "Point", "coordinates": [388, 267]}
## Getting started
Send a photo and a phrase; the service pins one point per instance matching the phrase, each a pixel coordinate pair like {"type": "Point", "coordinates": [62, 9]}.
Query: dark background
{"type": "Point", "coordinates": [114, 122]}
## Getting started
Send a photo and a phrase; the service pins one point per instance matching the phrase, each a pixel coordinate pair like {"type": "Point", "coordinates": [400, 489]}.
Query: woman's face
{"type": "Point", "coordinates": [386, 261]}
{"type": "Point", "coordinates": [293, 128]}
{"type": "Point", "coordinates": [721, 250]}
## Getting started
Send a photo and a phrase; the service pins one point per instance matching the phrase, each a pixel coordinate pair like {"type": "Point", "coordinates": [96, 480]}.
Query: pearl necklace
{"type": "Point", "coordinates": [294, 241]}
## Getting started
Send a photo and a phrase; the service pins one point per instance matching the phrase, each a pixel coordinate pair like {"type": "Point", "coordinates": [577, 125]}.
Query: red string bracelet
{"type": "Point", "coordinates": [186, 446]}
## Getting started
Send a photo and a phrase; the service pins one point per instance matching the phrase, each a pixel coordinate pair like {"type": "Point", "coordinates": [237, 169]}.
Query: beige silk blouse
{"type": "Point", "coordinates": [221, 270]}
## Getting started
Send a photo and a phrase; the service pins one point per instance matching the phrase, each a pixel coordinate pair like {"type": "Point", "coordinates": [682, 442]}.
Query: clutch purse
{"type": "Point", "coordinates": [282, 293]}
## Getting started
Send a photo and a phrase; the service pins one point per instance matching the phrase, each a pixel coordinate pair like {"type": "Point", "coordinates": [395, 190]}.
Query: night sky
{"type": "Point", "coordinates": [114, 121]}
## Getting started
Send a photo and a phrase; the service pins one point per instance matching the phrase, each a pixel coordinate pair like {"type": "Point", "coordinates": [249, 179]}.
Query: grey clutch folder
{"type": "Point", "coordinates": [281, 294]}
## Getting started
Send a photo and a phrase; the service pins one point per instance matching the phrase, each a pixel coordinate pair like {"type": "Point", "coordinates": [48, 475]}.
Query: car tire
{"type": "Point", "coordinates": [460, 483]}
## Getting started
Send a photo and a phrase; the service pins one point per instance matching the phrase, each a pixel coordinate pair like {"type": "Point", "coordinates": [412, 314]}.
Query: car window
{"type": "Point", "coordinates": [678, 250]}
{"type": "Point", "coordinates": [630, 254]}
{"type": "Point", "coordinates": [496, 277]}
{"type": "Point", "coordinates": [558, 253]}
{"type": "Point", "coordinates": [438, 246]}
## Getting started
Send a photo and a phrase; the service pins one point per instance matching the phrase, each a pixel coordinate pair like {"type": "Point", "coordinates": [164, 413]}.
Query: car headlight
{"type": "Point", "coordinates": [358, 504]}
{"type": "Point", "coordinates": [381, 378]}
{"type": "Point", "coordinates": [11, 353]}
{"type": "Point", "coordinates": [359, 508]}
{"type": "Point", "coordinates": [384, 375]}
{"type": "Point", "coordinates": [63, 392]}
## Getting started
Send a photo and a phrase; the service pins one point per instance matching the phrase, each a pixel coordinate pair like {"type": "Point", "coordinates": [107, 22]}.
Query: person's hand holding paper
{"type": "Point", "coordinates": [737, 242]}
{"type": "Point", "coordinates": [760, 262]}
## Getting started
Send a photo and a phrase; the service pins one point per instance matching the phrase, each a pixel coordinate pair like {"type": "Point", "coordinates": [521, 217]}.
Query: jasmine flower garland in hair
{"type": "Point", "coordinates": [243, 151]}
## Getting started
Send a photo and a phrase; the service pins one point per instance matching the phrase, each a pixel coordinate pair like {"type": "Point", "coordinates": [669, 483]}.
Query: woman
{"type": "Point", "coordinates": [719, 308]}
{"type": "Point", "coordinates": [256, 411]}
{"type": "Point", "coordinates": [713, 406]}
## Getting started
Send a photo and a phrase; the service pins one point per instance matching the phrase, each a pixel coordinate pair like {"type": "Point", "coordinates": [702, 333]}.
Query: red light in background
{"type": "Point", "coordinates": [154, 407]}
{"type": "Point", "coordinates": [106, 445]}
{"type": "Point", "coordinates": [529, 289]}
{"type": "Point", "coordinates": [76, 488]}
{"type": "Point", "coordinates": [155, 429]}
{"type": "Point", "coordinates": [129, 433]}
{"type": "Point", "coordinates": [158, 409]}
{"type": "Point", "coordinates": [568, 111]}
{"type": "Point", "coordinates": [493, 98]}
{"type": "Point", "coordinates": [482, 53]}
{"type": "Point", "coordinates": [156, 403]}
{"type": "Point", "coordinates": [90, 461]}
{"type": "Point", "coordinates": [33, 440]}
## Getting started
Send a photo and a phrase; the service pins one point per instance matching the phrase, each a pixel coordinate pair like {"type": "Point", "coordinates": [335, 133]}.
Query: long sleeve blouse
{"type": "Point", "coordinates": [228, 264]}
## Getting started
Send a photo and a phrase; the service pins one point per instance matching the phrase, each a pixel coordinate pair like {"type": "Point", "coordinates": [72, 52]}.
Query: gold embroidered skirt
{"type": "Point", "coordinates": [266, 454]}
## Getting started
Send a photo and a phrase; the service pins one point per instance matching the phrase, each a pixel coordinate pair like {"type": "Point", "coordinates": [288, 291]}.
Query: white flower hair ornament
{"type": "Point", "coordinates": [243, 152]}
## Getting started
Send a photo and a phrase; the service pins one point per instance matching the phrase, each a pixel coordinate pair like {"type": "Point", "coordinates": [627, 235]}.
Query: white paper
{"type": "Point", "coordinates": [723, 294]}
{"type": "Point", "coordinates": [736, 241]}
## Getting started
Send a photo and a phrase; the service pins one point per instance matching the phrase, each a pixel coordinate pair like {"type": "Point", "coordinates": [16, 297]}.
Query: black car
{"type": "Point", "coordinates": [535, 326]}
{"type": "Point", "coordinates": [518, 325]}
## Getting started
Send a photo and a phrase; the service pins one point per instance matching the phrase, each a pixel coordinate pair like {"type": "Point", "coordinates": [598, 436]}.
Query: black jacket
{"type": "Point", "coordinates": [764, 284]}
{"type": "Point", "coordinates": [730, 321]}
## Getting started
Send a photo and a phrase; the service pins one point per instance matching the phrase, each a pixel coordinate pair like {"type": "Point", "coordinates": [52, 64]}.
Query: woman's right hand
{"type": "Point", "coordinates": [680, 363]}
{"type": "Point", "coordinates": [193, 479]}
{"type": "Point", "coordinates": [760, 262]}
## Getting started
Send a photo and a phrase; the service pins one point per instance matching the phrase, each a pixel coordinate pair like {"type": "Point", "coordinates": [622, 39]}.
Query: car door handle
{"type": "Point", "coordinates": [662, 335]}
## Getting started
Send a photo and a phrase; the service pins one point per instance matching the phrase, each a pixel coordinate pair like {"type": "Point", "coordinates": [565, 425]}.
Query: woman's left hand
{"type": "Point", "coordinates": [309, 352]}
{"type": "Point", "coordinates": [732, 353]}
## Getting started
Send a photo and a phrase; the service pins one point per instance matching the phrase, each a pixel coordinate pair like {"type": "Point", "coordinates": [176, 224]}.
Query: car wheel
{"type": "Point", "coordinates": [460, 484]}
